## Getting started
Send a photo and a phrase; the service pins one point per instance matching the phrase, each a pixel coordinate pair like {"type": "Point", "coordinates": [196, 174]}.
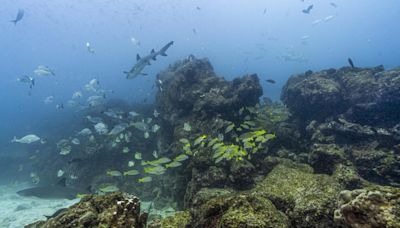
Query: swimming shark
{"type": "Point", "coordinates": [57, 191]}
{"type": "Point", "coordinates": [19, 17]}
{"type": "Point", "coordinates": [142, 62]}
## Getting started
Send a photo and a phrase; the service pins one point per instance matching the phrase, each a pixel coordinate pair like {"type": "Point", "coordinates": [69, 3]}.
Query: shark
{"type": "Point", "coordinates": [57, 191]}
{"type": "Point", "coordinates": [142, 62]}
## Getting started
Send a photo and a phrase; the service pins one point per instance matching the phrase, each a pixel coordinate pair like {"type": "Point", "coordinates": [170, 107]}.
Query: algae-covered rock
{"type": "Point", "coordinates": [307, 199]}
{"type": "Point", "coordinates": [374, 207]}
{"type": "Point", "coordinates": [181, 219]}
{"type": "Point", "coordinates": [324, 157]}
{"type": "Point", "coordinates": [239, 210]}
{"type": "Point", "coordinates": [116, 210]}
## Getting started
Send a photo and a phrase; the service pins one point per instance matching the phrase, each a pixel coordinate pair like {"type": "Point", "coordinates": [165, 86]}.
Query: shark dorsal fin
{"type": "Point", "coordinates": [137, 57]}
{"type": "Point", "coordinates": [152, 51]}
{"type": "Point", "coordinates": [61, 182]}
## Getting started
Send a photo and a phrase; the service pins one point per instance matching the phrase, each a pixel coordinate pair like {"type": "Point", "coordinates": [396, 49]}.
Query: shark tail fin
{"type": "Point", "coordinates": [152, 51]}
{"type": "Point", "coordinates": [14, 139]}
{"type": "Point", "coordinates": [137, 57]}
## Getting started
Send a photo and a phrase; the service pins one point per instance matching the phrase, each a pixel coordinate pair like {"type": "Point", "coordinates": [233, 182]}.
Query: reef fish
{"type": "Point", "coordinates": [42, 70]}
{"type": "Point", "coordinates": [351, 62]}
{"type": "Point", "coordinates": [144, 61]}
{"type": "Point", "coordinates": [308, 10]}
{"type": "Point", "coordinates": [19, 16]}
{"type": "Point", "coordinates": [28, 80]}
{"type": "Point", "coordinates": [31, 138]}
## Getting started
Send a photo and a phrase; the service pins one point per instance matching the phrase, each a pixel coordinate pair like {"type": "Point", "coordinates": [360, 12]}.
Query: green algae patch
{"type": "Point", "coordinates": [307, 199]}
{"type": "Point", "coordinates": [240, 210]}
{"type": "Point", "coordinates": [179, 220]}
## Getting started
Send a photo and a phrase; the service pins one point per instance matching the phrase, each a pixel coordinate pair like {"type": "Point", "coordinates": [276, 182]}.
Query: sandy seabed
{"type": "Point", "coordinates": [17, 211]}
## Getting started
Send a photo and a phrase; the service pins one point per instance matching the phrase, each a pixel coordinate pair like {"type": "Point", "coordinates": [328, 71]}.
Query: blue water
{"type": "Point", "coordinates": [236, 36]}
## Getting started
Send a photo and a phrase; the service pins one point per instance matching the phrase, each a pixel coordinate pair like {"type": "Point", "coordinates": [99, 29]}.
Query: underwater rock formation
{"type": "Point", "coordinates": [363, 95]}
{"type": "Point", "coordinates": [113, 210]}
{"type": "Point", "coordinates": [307, 199]}
{"type": "Point", "coordinates": [376, 207]}
{"type": "Point", "coordinates": [190, 87]}
{"type": "Point", "coordinates": [351, 117]}
{"type": "Point", "coordinates": [193, 101]}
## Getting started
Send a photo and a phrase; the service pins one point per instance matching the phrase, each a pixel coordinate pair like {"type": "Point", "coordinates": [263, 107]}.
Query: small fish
{"type": "Point", "coordinates": [125, 150]}
{"type": "Point", "coordinates": [184, 141]}
{"type": "Point", "coordinates": [229, 128]}
{"type": "Point", "coordinates": [60, 173]}
{"type": "Point", "coordinates": [145, 179]}
{"type": "Point", "coordinates": [77, 94]}
{"type": "Point", "coordinates": [181, 157]}
{"type": "Point", "coordinates": [328, 18]}
{"type": "Point", "coordinates": [155, 154]}
{"type": "Point", "coordinates": [156, 170]}
{"type": "Point", "coordinates": [270, 81]}
{"type": "Point", "coordinates": [146, 135]}
{"type": "Point", "coordinates": [308, 10]}
{"type": "Point", "coordinates": [138, 156]}
{"type": "Point", "coordinates": [89, 48]}
{"type": "Point", "coordinates": [114, 173]}
{"type": "Point", "coordinates": [75, 141]}
{"type": "Point", "coordinates": [60, 106]}
{"type": "Point", "coordinates": [162, 160]}
{"type": "Point", "coordinates": [155, 128]}
{"type": "Point", "coordinates": [85, 132]}
{"type": "Point", "coordinates": [131, 163]}
{"type": "Point", "coordinates": [198, 8]}
{"type": "Point", "coordinates": [194, 31]}
{"type": "Point", "coordinates": [19, 17]}
{"type": "Point", "coordinates": [43, 70]}
{"type": "Point", "coordinates": [173, 164]}
{"type": "Point", "coordinates": [333, 4]}
{"type": "Point", "coordinates": [135, 41]}
{"type": "Point", "coordinates": [106, 188]}
{"type": "Point", "coordinates": [351, 62]}
{"type": "Point", "coordinates": [132, 172]}
{"type": "Point", "coordinates": [265, 11]}
{"type": "Point", "coordinates": [155, 113]}
{"type": "Point", "coordinates": [48, 100]}
{"type": "Point", "coordinates": [26, 79]}
{"type": "Point", "coordinates": [31, 138]}
{"type": "Point", "coordinates": [199, 140]}
{"type": "Point", "coordinates": [101, 128]}
{"type": "Point", "coordinates": [187, 127]}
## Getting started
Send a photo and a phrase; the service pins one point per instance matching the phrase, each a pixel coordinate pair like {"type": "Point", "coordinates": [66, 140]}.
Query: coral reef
{"type": "Point", "coordinates": [375, 207]}
{"type": "Point", "coordinates": [113, 210]}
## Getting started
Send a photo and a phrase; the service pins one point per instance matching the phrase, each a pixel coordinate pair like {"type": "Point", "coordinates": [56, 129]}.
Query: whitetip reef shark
{"type": "Point", "coordinates": [142, 62]}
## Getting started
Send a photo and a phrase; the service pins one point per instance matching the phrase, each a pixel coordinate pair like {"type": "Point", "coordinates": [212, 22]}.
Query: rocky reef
{"type": "Point", "coordinates": [320, 159]}
{"type": "Point", "coordinates": [113, 210]}
{"type": "Point", "coordinates": [376, 206]}
{"type": "Point", "coordinates": [349, 116]}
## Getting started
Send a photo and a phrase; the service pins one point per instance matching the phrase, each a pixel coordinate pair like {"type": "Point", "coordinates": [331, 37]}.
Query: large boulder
{"type": "Point", "coordinates": [364, 95]}
{"type": "Point", "coordinates": [307, 199]}
{"type": "Point", "coordinates": [191, 87]}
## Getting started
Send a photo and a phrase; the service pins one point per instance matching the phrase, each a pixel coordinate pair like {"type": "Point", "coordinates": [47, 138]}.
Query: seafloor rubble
{"type": "Point", "coordinates": [321, 159]}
